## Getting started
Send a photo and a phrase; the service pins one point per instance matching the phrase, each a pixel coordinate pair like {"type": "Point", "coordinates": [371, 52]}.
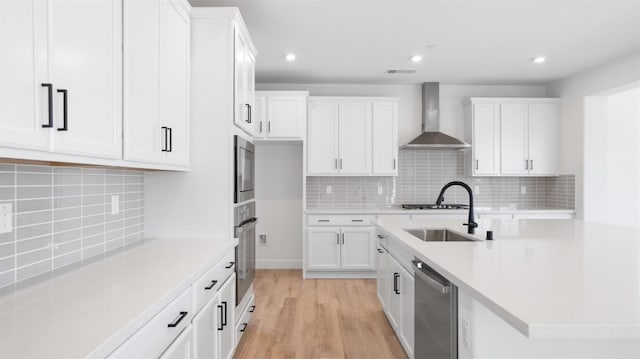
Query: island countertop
{"type": "Point", "coordinates": [546, 278]}
{"type": "Point", "coordinates": [91, 307]}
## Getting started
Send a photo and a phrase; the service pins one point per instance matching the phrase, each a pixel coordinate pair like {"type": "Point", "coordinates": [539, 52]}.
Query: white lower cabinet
{"type": "Point", "coordinates": [205, 328]}
{"type": "Point", "coordinates": [396, 291]}
{"type": "Point", "coordinates": [340, 248]}
{"type": "Point", "coordinates": [226, 319]}
{"type": "Point", "coordinates": [182, 347]}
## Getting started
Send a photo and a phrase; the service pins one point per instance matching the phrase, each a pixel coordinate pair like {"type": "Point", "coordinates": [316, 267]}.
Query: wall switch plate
{"type": "Point", "coordinates": [6, 217]}
{"type": "Point", "coordinates": [466, 335]}
{"type": "Point", "coordinates": [380, 190]}
{"type": "Point", "coordinates": [115, 204]}
{"type": "Point", "coordinates": [262, 240]}
{"type": "Point", "coordinates": [328, 189]}
{"type": "Point", "coordinates": [476, 190]}
{"type": "Point", "coordinates": [523, 189]}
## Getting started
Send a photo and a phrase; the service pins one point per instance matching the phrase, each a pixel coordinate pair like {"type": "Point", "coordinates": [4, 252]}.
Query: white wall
{"type": "Point", "coordinates": [410, 105]}
{"type": "Point", "coordinates": [279, 204]}
{"type": "Point", "coordinates": [572, 92]}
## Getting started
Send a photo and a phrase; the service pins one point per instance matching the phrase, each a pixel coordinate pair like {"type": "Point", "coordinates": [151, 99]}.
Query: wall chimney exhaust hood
{"type": "Point", "coordinates": [431, 137]}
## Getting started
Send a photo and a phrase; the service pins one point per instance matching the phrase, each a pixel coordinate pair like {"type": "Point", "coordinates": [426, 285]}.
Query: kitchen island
{"type": "Point", "coordinates": [541, 288]}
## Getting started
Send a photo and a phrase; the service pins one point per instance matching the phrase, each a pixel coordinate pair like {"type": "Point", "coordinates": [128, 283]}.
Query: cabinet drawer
{"type": "Point", "coordinates": [355, 220]}
{"type": "Point", "coordinates": [243, 322]}
{"type": "Point", "coordinates": [155, 336]}
{"type": "Point", "coordinates": [208, 284]}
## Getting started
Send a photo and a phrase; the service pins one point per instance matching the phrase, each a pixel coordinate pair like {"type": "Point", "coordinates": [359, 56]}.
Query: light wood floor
{"type": "Point", "coordinates": [316, 318]}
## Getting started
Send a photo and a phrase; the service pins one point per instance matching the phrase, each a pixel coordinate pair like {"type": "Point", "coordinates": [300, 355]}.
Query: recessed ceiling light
{"type": "Point", "coordinates": [290, 57]}
{"type": "Point", "coordinates": [539, 59]}
{"type": "Point", "coordinates": [416, 58]}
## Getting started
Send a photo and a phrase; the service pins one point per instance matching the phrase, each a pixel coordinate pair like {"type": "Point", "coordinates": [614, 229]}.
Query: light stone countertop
{"type": "Point", "coordinates": [400, 210]}
{"type": "Point", "coordinates": [95, 305]}
{"type": "Point", "coordinates": [546, 278]}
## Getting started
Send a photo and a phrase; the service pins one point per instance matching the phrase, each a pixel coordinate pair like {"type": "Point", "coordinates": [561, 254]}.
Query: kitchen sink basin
{"type": "Point", "coordinates": [438, 235]}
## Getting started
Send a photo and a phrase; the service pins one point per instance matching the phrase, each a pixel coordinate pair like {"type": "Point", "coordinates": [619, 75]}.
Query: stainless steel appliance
{"type": "Point", "coordinates": [436, 314]}
{"type": "Point", "coordinates": [245, 224]}
{"type": "Point", "coordinates": [244, 170]}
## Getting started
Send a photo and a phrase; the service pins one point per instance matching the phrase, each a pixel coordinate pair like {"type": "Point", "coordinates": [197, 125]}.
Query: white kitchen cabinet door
{"type": "Point", "coordinates": [250, 88]}
{"type": "Point", "coordinates": [486, 139]}
{"type": "Point", "coordinates": [24, 102]}
{"type": "Point", "coordinates": [381, 275]}
{"type": "Point", "coordinates": [406, 332]}
{"type": "Point", "coordinates": [244, 84]}
{"type": "Point", "coordinates": [86, 61]}
{"type": "Point", "coordinates": [323, 248]}
{"type": "Point", "coordinates": [322, 136]}
{"type": "Point", "coordinates": [141, 81]}
{"type": "Point", "coordinates": [385, 138]}
{"type": "Point", "coordinates": [358, 247]}
{"type": "Point", "coordinates": [226, 319]}
{"type": "Point", "coordinates": [174, 82]}
{"type": "Point", "coordinates": [205, 331]}
{"type": "Point", "coordinates": [260, 121]}
{"type": "Point", "coordinates": [285, 116]}
{"type": "Point", "coordinates": [394, 302]}
{"type": "Point", "coordinates": [514, 139]}
{"type": "Point", "coordinates": [543, 139]}
{"type": "Point", "coordinates": [354, 137]}
{"type": "Point", "coordinates": [182, 347]}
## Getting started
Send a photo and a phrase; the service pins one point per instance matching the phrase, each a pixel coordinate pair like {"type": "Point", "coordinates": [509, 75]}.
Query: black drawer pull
{"type": "Point", "coordinates": [357, 220]}
{"type": "Point", "coordinates": [221, 327]}
{"type": "Point", "coordinates": [230, 265]}
{"type": "Point", "coordinates": [177, 321]}
{"type": "Point", "coordinates": [253, 308]}
{"type": "Point", "coordinates": [324, 220]}
{"type": "Point", "coordinates": [224, 317]}
{"type": "Point", "coordinates": [245, 325]}
{"type": "Point", "coordinates": [213, 284]}
{"type": "Point", "coordinates": [380, 250]}
{"type": "Point", "coordinates": [381, 236]}
{"type": "Point", "coordinates": [64, 110]}
{"type": "Point", "coordinates": [50, 99]}
{"type": "Point", "coordinates": [395, 283]}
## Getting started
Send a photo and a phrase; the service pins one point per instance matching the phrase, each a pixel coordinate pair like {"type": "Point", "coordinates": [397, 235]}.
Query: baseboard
{"type": "Point", "coordinates": [279, 264]}
{"type": "Point", "coordinates": [339, 275]}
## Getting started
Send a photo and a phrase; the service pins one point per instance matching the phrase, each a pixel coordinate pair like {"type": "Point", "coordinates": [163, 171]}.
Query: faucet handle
{"type": "Point", "coordinates": [471, 225]}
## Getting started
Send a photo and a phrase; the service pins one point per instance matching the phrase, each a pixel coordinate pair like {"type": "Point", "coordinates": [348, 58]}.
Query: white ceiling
{"type": "Point", "coordinates": [477, 41]}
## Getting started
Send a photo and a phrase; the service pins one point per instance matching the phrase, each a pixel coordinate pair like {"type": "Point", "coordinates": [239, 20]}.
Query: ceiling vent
{"type": "Point", "coordinates": [400, 71]}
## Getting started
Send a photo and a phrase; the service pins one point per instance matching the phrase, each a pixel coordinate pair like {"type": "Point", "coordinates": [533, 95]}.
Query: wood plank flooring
{"type": "Point", "coordinates": [316, 318]}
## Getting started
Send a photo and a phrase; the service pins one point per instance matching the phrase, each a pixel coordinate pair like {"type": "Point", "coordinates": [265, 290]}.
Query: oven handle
{"type": "Point", "coordinates": [248, 224]}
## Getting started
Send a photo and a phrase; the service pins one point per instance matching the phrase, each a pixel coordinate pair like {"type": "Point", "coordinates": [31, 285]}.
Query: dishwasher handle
{"type": "Point", "coordinates": [423, 271]}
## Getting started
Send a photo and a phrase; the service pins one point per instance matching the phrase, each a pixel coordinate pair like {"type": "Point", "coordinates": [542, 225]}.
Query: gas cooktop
{"type": "Point", "coordinates": [435, 206]}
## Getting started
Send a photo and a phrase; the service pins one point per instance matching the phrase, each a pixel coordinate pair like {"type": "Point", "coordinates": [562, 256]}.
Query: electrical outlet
{"type": "Point", "coordinates": [262, 240]}
{"type": "Point", "coordinates": [523, 189]}
{"type": "Point", "coordinates": [476, 190]}
{"type": "Point", "coordinates": [380, 190]}
{"type": "Point", "coordinates": [6, 217]}
{"type": "Point", "coordinates": [466, 335]}
{"type": "Point", "coordinates": [328, 189]}
{"type": "Point", "coordinates": [115, 204]}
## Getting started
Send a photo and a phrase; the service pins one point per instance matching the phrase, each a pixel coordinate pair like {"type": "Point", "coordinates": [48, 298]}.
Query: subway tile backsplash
{"type": "Point", "coordinates": [421, 175]}
{"type": "Point", "coordinates": [62, 215]}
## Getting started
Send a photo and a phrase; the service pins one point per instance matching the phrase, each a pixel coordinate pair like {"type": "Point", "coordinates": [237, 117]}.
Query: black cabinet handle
{"type": "Point", "coordinates": [64, 110]}
{"type": "Point", "coordinates": [178, 320]}
{"type": "Point", "coordinates": [357, 220]}
{"type": "Point", "coordinates": [245, 325]}
{"type": "Point", "coordinates": [170, 139]}
{"type": "Point", "coordinates": [166, 139]}
{"type": "Point", "coordinates": [224, 317]}
{"type": "Point", "coordinates": [221, 327]}
{"type": "Point", "coordinates": [395, 283]}
{"type": "Point", "coordinates": [248, 112]}
{"type": "Point", "coordinates": [253, 308]}
{"type": "Point", "coordinates": [210, 286]}
{"type": "Point", "coordinates": [50, 99]}
{"type": "Point", "coordinates": [230, 265]}
{"type": "Point", "coordinates": [380, 250]}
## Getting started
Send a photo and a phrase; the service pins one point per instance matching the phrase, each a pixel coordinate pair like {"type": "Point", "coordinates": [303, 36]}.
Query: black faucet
{"type": "Point", "coordinates": [471, 225]}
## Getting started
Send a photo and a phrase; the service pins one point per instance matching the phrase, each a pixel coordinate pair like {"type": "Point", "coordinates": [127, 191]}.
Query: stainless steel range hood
{"type": "Point", "coordinates": [431, 137]}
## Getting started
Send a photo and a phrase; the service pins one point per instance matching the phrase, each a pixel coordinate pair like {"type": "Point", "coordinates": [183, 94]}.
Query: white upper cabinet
{"type": "Point", "coordinates": [512, 136]}
{"type": "Point", "coordinates": [156, 82]}
{"type": "Point", "coordinates": [24, 101]}
{"type": "Point", "coordinates": [244, 81]}
{"type": "Point", "coordinates": [363, 136]}
{"type": "Point", "coordinates": [280, 115]}
{"type": "Point", "coordinates": [85, 61]}
{"type": "Point", "coordinates": [385, 138]}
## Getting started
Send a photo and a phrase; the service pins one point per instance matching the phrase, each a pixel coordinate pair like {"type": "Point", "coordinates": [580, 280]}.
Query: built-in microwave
{"type": "Point", "coordinates": [244, 170]}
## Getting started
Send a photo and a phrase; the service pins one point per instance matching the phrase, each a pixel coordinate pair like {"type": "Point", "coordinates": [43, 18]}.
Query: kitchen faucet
{"type": "Point", "coordinates": [471, 225]}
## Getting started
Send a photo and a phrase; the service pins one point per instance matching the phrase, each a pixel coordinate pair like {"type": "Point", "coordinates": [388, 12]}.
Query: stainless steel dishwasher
{"type": "Point", "coordinates": [436, 314]}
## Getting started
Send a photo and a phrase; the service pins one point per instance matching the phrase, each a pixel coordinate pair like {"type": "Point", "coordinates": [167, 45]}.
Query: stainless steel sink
{"type": "Point", "coordinates": [438, 235]}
